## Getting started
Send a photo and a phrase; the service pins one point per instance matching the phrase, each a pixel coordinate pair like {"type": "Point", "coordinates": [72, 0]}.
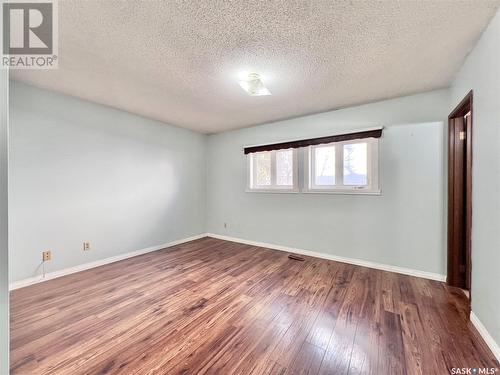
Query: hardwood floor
{"type": "Point", "coordinates": [218, 307]}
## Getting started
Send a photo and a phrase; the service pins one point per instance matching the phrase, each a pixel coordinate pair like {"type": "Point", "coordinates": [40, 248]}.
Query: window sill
{"type": "Point", "coordinates": [342, 192]}
{"type": "Point", "coordinates": [273, 191]}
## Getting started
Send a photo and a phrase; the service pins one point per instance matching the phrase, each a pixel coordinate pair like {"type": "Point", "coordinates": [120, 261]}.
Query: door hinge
{"type": "Point", "coordinates": [461, 135]}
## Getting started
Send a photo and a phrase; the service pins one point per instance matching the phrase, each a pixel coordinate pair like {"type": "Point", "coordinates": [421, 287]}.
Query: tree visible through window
{"type": "Point", "coordinates": [355, 164]}
{"type": "Point", "coordinates": [284, 168]}
{"type": "Point", "coordinates": [348, 165]}
{"type": "Point", "coordinates": [263, 166]}
{"type": "Point", "coordinates": [273, 170]}
{"type": "Point", "coordinates": [324, 172]}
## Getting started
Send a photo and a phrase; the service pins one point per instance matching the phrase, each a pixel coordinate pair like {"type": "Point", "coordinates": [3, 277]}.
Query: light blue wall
{"type": "Point", "coordinates": [481, 72]}
{"type": "Point", "coordinates": [403, 227]}
{"type": "Point", "coordinates": [86, 172]}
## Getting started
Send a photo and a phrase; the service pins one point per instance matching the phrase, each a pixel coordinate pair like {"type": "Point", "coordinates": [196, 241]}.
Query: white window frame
{"type": "Point", "coordinates": [273, 188]}
{"type": "Point", "coordinates": [371, 188]}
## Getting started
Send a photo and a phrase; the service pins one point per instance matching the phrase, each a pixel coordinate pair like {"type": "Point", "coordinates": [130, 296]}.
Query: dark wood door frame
{"type": "Point", "coordinates": [460, 194]}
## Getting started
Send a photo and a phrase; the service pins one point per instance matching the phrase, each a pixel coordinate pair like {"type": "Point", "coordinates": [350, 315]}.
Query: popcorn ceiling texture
{"type": "Point", "coordinates": [178, 62]}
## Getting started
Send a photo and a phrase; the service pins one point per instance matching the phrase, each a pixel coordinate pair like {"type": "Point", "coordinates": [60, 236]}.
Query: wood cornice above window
{"type": "Point", "coordinates": [367, 133]}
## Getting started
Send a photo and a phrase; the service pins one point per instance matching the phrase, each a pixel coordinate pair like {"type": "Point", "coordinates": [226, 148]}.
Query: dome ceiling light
{"type": "Point", "coordinates": [253, 85]}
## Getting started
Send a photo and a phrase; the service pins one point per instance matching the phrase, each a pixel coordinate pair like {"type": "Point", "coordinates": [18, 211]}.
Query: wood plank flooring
{"type": "Point", "coordinates": [218, 307]}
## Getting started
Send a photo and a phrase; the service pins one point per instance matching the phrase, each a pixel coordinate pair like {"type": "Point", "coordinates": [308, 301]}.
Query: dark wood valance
{"type": "Point", "coordinates": [374, 133]}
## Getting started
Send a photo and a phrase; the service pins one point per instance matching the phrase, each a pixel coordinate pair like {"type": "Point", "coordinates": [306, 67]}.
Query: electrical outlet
{"type": "Point", "coordinates": [86, 246]}
{"type": "Point", "coordinates": [46, 255]}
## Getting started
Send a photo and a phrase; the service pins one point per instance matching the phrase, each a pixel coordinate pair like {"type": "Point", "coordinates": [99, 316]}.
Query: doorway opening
{"type": "Point", "coordinates": [460, 195]}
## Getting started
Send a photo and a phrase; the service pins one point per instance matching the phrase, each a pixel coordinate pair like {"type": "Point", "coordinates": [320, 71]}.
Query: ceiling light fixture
{"type": "Point", "coordinates": [253, 85]}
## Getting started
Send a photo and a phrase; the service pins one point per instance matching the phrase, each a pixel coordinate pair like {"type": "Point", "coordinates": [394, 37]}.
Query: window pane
{"type": "Point", "coordinates": [324, 168]}
{"type": "Point", "coordinates": [284, 167]}
{"type": "Point", "coordinates": [355, 164]}
{"type": "Point", "coordinates": [262, 168]}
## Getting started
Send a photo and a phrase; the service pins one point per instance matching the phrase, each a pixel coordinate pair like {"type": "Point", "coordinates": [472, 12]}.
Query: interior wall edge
{"type": "Point", "coordinates": [4, 221]}
{"type": "Point", "coordinates": [4, 216]}
{"type": "Point", "coordinates": [480, 72]}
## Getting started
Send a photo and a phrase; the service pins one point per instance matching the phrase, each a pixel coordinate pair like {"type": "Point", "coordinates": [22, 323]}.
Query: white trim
{"type": "Point", "coordinates": [82, 267]}
{"type": "Point", "coordinates": [490, 341]}
{"type": "Point", "coordinates": [273, 191]}
{"type": "Point", "coordinates": [342, 192]}
{"type": "Point", "coordinates": [357, 262]}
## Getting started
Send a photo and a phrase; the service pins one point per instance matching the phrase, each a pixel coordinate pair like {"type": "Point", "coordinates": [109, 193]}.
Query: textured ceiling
{"type": "Point", "coordinates": [178, 62]}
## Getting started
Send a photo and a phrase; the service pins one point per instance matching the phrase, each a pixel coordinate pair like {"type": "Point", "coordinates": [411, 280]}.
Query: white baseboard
{"type": "Point", "coordinates": [357, 262]}
{"type": "Point", "coordinates": [490, 341]}
{"type": "Point", "coordinates": [97, 263]}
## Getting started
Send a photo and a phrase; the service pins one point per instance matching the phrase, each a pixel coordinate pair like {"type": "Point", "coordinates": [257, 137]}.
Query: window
{"type": "Point", "coordinates": [323, 160]}
{"type": "Point", "coordinates": [273, 171]}
{"type": "Point", "coordinates": [343, 167]}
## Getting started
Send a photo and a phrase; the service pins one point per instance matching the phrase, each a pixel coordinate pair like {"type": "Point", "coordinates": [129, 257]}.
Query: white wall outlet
{"type": "Point", "coordinates": [86, 246]}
